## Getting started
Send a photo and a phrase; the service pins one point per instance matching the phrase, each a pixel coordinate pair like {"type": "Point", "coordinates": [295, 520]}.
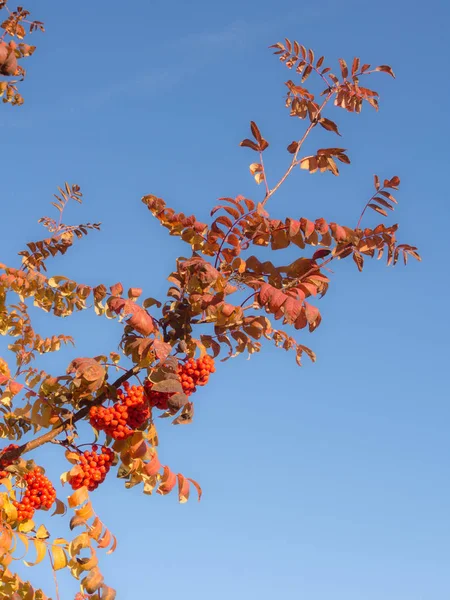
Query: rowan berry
{"type": "Point", "coordinates": [6, 463]}
{"type": "Point", "coordinates": [39, 494]}
{"type": "Point", "coordinates": [92, 469]}
{"type": "Point", "coordinates": [195, 372]}
{"type": "Point", "coordinates": [125, 416]}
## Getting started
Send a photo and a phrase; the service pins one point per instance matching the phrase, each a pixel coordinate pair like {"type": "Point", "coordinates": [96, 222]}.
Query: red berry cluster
{"type": "Point", "coordinates": [195, 372]}
{"type": "Point", "coordinates": [5, 463]}
{"type": "Point", "coordinates": [93, 468]}
{"type": "Point", "coordinates": [157, 399]}
{"type": "Point", "coordinates": [122, 418]}
{"type": "Point", "coordinates": [39, 494]}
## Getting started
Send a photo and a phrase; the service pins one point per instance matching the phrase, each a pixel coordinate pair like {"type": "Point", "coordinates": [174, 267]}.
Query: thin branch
{"type": "Point", "coordinates": [261, 160]}
{"type": "Point", "coordinates": [295, 161]}
{"type": "Point", "coordinates": [367, 206]}
{"type": "Point", "coordinates": [83, 412]}
{"type": "Point", "coordinates": [55, 579]}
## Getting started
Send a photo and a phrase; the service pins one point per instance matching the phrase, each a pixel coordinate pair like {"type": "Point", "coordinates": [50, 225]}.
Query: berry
{"type": "Point", "coordinates": [93, 468]}
{"type": "Point", "coordinates": [195, 372]}
{"type": "Point", "coordinates": [5, 463]}
{"type": "Point", "coordinates": [157, 399]}
{"type": "Point", "coordinates": [39, 494]}
{"type": "Point", "coordinates": [122, 418]}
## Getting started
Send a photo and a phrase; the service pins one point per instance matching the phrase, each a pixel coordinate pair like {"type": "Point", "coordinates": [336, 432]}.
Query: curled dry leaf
{"type": "Point", "coordinates": [139, 318]}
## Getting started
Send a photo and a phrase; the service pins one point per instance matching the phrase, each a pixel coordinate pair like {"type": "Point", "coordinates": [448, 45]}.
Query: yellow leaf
{"type": "Point", "coordinates": [64, 477]}
{"type": "Point", "coordinates": [60, 542]}
{"type": "Point", "coordinates": [5, 539]}
{"type": "Point", "coordinates": [88, 563]}
{"type": "Point", "coordinates": [113, 546]}
{"type": "Point", "coordinates": [10, 510]}
{"type": "Point", "coordinates": [5, 557]}
{"type": "Point", "coordinates": [92, 581]}
{"type": "Point", "coordinates": [255, 168]}
{"type": "Point", "coordinates": [41, 549]}
{"type": "Point", "coordinates": [78, 497]}
{"type": "Point", "coordinates": [72, 457]}
{"type": "Point", "coordinates": [26, 526]}
{"type": "Point", "coordinates": [108, 593]}
{"type": "Point", "coordinates": [86, 512]}
{"type": "Point", "coordinates": [80, 542]}
{"type": "Point", "coordinates": [55, 281]}
{"type": "Point", "coordinates": [59, 558]}
{"type": "Point", "coordinates": [42, 533]}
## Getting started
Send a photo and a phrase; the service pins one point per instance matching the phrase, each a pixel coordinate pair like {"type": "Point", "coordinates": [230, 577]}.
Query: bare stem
{"type": "Point", "coordinates": [367, 206]}
{"type": "Point", "coordinates": [261, 160]}
{"type": "Point", "coordinates": [55, 579]}
{"type": "Point", "coordinates": [295, 160]}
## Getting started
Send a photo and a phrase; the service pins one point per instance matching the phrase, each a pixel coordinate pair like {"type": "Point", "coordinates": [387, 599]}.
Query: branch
{"type": "Point", "coordinates": [295, 162]}
{"type": "Point", "coordinates": [381, 189]}
{"type": "Point", "coordinates": [83, 412]}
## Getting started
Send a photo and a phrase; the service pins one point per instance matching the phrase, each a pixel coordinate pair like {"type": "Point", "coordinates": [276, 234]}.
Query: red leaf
{"type": "Point", "coordinates": [140, 320]}
{"type": "Point", "coordinates": [339, 233]}
{"type": "Point", "coordinates": [162, 349]}
{"type": "Point", "coordinates": [249, 144]}
{"type": "Point", "coordinates": [321, 226]}
{"type": "Point", "coordinates": [197, 487]}
{"type": "Point", "coordinates": [183, 488]}
{"type": "Point", "coordinates": [134, 293]}
{"type": "Point", "coordinates": [321, 253]}
{"type": "Point", "coordinates": [265, 293]}
{"type": "Point", "coordinates": [385, 69]}
{"type": "Point", "coordinates": [344, 69]}
{"type": "Point", "coordinates": [311, 312]}
{"type": "Point", "coordinates": [168, 482]}
{"type": "Point", "coordinates": [307, 226]}
{"type": "Point", "coordinates": [255, 131]}
{"type": "Point", "coordinates": [116, 289]}
{"type": "Point", "coordinates": [15, 387]}
{"type": "Point", "coordinates": [277, 299]}
{"type": "Point", "coordinates": [292, 309]}
{"type": "Point", "coordinates": [301, 321]}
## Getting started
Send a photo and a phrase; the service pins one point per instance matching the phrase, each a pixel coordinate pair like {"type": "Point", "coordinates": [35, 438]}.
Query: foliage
{"type": "Point", "coordinates": [222, 300]}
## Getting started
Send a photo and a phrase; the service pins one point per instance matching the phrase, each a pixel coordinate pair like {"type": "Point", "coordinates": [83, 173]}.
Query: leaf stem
{"type": "Point", "coordinates": [295, 160]}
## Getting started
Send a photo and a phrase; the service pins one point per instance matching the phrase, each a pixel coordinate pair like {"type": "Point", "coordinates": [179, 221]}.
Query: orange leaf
{"type": "Point", "coordinates": [168, 482]}
{"type": "Point", "coordinates": [183, 488]}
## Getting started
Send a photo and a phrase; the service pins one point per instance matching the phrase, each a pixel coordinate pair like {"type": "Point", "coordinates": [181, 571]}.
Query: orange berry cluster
{"type": "Point", "coordinates": [39, 494]}
{"type": "Point", "coordinates": [157, 399]}
{"type": "Point", "coordinates": [5, 463]}
{"type": "Point", "coordinates": [195, 372]}
{"type": "Point", "coordinates": [93, 468]}
{"type": "Point", "coordinates": [123, 417]}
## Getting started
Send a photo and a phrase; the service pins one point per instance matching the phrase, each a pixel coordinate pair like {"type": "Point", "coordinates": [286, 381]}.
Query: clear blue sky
{"type": "Point", "coordinates": [327, 482]}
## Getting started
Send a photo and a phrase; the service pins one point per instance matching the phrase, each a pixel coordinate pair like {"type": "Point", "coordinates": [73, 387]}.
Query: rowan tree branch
{"type": "Point", "coordinates": [78, 416]}
{"type": "Point", "coordinates": [295, 160]}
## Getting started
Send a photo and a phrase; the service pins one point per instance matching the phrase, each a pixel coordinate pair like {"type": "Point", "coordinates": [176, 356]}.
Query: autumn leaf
{"type": "Point", "coordinates": [140, 320]}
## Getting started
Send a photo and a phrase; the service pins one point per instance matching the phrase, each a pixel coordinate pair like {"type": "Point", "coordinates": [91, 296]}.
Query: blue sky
{"type": "Point", "coordinates": [330, 481]}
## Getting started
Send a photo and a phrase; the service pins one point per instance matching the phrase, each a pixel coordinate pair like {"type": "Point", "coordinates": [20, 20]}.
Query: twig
{"type": "Point", "coordinates": [295, 162]}
{"type": "Point", "coordinates": [83, 412]}
{"type": "Point", "coordinates": [55, 579]}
